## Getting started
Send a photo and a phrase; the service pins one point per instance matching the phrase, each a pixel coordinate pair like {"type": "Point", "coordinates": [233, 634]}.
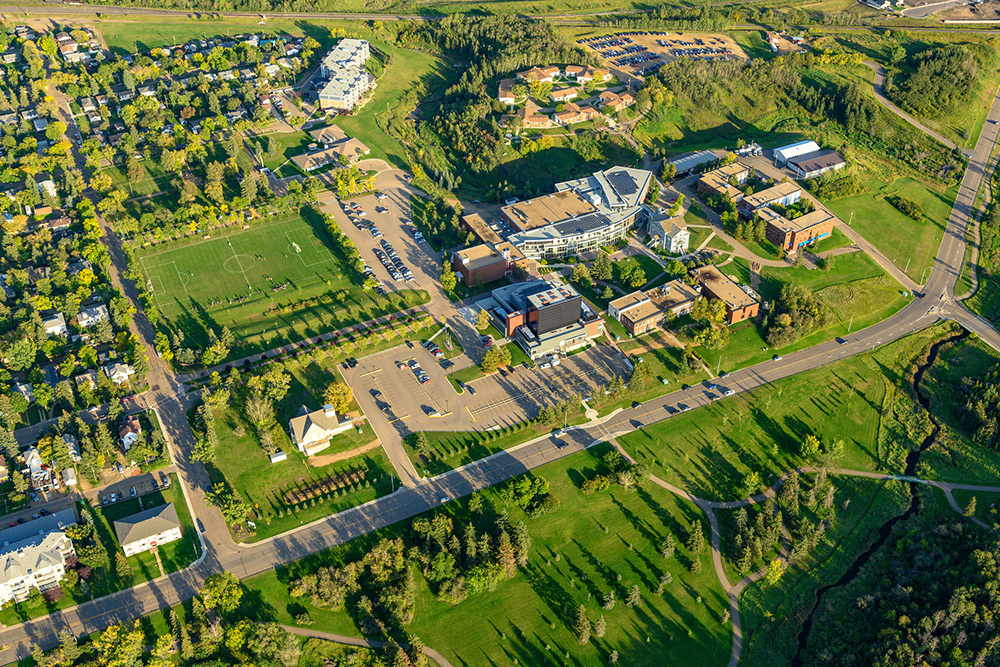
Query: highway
{"type": "Point", "coordinates": [935, 302]}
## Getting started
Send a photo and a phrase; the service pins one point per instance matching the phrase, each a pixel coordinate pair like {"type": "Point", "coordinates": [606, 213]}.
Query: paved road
{"type": "Point", "coordinates": [924, 11]}
{"type": "Point", "coordinates": [887, 103]}
{"type": "Point", "coordinates": [220, 553]}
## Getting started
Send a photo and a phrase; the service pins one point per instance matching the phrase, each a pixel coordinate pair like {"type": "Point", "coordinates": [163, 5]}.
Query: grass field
{"type": "Point", "coordinates": [856, 292]}
{"type": "Point", "coordinates": [910, 244]}
{"type": "Point", "coordinates": [241, 461]}
{"type": "Point", "coordinates": [709, 451]}
{"type": "Point", "coordinates": [591, 545]}
{"type": "Point", "coordinates": [233, 279]}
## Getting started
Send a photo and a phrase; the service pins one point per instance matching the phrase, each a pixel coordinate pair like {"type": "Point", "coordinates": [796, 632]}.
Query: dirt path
{"type": "Point", "coordinates": [884, 101]}
{"type": "Point", "coordinates": [358, 641]}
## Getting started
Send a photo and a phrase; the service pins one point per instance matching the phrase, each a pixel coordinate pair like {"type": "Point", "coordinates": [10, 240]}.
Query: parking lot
{"type": "Point", "coordinates": [643, 52]}
{"type": "Point", "coordinates": [388, 387]}
{"type": "Point", "coordinates": [142, 483]}
{"type": "Point", "coordinates": [390, 215]}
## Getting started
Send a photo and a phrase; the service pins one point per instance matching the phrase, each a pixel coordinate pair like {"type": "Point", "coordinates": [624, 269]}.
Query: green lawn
{"type": "Point", "coordinates": [772, 614]}
{"type": "Point", "coordinates": [910, 244]}
{"type": "Point", "coordinates": [153, 180]}
{"type": "Point", "coordinates": [593, 544]}
{"type": "Point", "coordinates": [856, 292]}
{"type": "Point", "coordinates": [664, 362]}
{"type": "Point", "coordinates": [290, 144]}
{"type": "Point", "coordinates": [241, 461]}
{"type": "Point", "coordinates": [837, 239]}
{"type": "Point", "coordinates": [698, 236]}
{"type": "Point", "coordinates": [709, 451]}
{"type": "Point", "coordinates": [233, 279]}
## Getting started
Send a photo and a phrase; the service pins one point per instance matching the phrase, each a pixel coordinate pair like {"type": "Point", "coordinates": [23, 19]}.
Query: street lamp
{"type": "Point", "coordinates": [924, 274]}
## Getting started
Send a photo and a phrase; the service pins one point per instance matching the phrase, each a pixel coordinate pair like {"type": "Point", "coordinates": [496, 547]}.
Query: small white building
{"type": "Point", "coordinates": [311, 431]}
{"type": "Point", "coordinates": [671, 234]}
{"type": "Point", "coordinates": [148, 529]}
{"type": "Point", "coordinates": [129, 431]}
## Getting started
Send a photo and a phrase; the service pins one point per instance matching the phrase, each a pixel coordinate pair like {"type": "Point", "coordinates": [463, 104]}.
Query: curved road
{"type": "Point", "coordinates": [879, 84]}
{"type": "Point", "coordinates": [221, 553]}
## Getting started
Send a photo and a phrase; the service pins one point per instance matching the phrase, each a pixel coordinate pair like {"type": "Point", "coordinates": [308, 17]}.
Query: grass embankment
{"type": "Point", "coordinates": [606, 541]}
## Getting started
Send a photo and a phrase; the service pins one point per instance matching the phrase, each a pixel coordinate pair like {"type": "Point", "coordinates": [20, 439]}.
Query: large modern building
{"type": "Point", "coordinates": [347, 80]}
{"type": "Point", "coordinates": [782, 194]}
{"type": "Point", "coordinates": [148, 529]}
{"type": "Point", "coordinates": [543, 317]}
{"type": "Point", "coordinates": [640, 312]}
{"type": "Point", "coordinates": [581, 215]}
{"type": "Point", "coordinates": [33, 555]}
{"type": "Point", "coordinates": [792, 234]}
{"type": "Point", "coordinates": [479, 264]}
{"type": "Point", "coordinates": [741, 303]}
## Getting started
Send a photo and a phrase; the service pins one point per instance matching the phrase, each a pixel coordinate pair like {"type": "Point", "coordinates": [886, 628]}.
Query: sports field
{"type": "Point", "coordinates": [270, 284]}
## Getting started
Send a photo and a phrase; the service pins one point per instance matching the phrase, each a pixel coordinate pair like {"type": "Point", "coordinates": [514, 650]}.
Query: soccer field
{"type": "Point", "coordinates": [251, 279]}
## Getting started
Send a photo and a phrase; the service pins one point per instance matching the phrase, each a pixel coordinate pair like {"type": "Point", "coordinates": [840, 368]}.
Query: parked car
{"type": "Point", "coordinates": [114, 497]}
{"type": "Point", "coordinates": [44, 512]}
{"type": "Point", "coordinates": [133, 492]}
{"type": "Point", "coordinates": [104, 500]}
{"type": "Point", "coordinates": [22, 521]}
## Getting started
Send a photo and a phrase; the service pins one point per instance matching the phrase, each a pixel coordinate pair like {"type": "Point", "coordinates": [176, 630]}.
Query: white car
{"type": "Point", "coordinates": [444, 499]}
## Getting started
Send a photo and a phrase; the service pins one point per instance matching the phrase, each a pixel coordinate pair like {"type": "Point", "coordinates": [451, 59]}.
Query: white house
{"type": "Point", "coordinates": [676, 239]}
{"type": "Point", "coordinates": [33, 462]}
{"type": "Point", "coordinates": [311, 431]}
{"type": "Point", "coordinates": [151, 528]}
{"type": "Point", "coordinates": [33, 556]}
{"type": "Point", "coordinates": [118, 373]}
{"type": "Point", "coordinates": [55, 325]}
{"type": "Point", "coordinates": [88, 317]}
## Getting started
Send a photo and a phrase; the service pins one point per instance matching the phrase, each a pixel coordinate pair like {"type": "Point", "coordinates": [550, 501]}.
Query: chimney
{"type": "Point", "coordinates": [329, 411]}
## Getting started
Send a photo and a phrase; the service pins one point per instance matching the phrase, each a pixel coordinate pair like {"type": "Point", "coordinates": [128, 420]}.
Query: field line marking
{"type": "Point", "coordinates": [221, 237]}
{"type": "Point", "coordinates": [240, 264]}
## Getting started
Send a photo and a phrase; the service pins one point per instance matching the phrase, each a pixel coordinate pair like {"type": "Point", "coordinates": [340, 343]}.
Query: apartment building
{"type": "Point", "coordinates": [33, 555]}
{"type": "Point", "coordinates": [347, 80]}
{"type": "Point", "coordinates": [741, 304]}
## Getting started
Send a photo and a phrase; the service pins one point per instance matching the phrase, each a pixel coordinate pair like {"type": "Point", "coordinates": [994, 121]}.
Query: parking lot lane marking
{"type": "Point", "coordinates": [470, 414]}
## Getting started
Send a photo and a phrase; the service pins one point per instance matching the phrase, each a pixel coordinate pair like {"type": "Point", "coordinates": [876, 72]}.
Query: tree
{"type": "Point", "coordinates": [248, 186]}
{"type": "Point", "coordinates": [121, 645]}
{"type": "Point", "coordinates": [665, 579]}
{"type": "Point", "coordinates": [232, 506]}
{"type": "Point", "coordinates": [601, 268]}
{"type": "Point", "coordinates": [581, 275]}
{"type": "Point", "coordinates": [709, 310]}
{"type": "Point", "coordinates": [751, 483]}
{"type": "Point", "coordinates": [600, 627]}
{"type": "Point", "coordinates": [496, 356]}
{"type": "Point", "coordinates": [774, 571]}
{"type": "Point", "coordinates": [633, 597]}
{"type": "Point", "coordinates": [122, 568]}
{"type": "Point", "coordinates": [222, 591]}
{"type": "Point", "coordinates": [420, 444]}
{"type": "Point", "coordinates": [448, 279]}
{"type": "Point", "coordinates": [70, 648]}
{"type": "Point", "coordinates": [8, 444]}
{"type": "Point", "coordinates": [608, 601]}
{"type": "Point", "coordinates": [696, 540]}
{"type": "Point", "coordinates": [613, 658]}
{"type": "Point", "coordinates": [482, 320]}
{"type": "Point", "coordinates": [582, 626]}
{"type": "Point", "coordinates": [970, 508]}
{"type": "Point", "coordinates": [667, 547]}
{"type": "Point", "coordinates": [339, 395]}
{"type": "Point", "coordinates": [506, 556]}
{"type": "Point", "coordinates": [810, 446]}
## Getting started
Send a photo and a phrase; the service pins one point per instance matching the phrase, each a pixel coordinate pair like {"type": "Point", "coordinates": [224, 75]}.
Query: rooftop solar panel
{"type": "Point", "coordinates": [584, 223]}
{"type": "Point", "coordinates": [623, 183]}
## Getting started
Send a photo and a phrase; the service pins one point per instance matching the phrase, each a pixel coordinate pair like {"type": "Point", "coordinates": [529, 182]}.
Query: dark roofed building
{"type": "Point", "coordinates": [150, 528]}
{"type": "Point", "coordinates": [813, 164]}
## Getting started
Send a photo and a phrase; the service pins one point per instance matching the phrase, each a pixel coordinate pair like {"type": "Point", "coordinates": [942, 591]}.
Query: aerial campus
{"type": "Point", "coordinates": [574, 333]}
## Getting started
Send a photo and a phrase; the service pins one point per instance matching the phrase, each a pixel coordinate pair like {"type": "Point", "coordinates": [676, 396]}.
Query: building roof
{"type": "Point", "coordinates": [672, 294]}
{"type": "Point", "coordinates": [548, 209]}
{"type": "Point", "coordinates": [718, 179]}
{"type": "Point", "coordinates": [351, 148]}
{"type": "Point", "coordinates": [553, 294]}
{"type": "Point", "coordinates": [512, 253]}
{"type": "Point", "coordinates": [794, 150]}
{"type": "Point", "coordinates": [20, 559]}
{"type": "Point", "coordinates": [147, 523]}
{"type": "Point", "coordinates": [478, 256]}
{"type": "Point", "coordinates": [801, 223]}
{"type": "Point", "coordinates": [765, 197]}
{"type": "Point", "coordinates": [724, 287]}
{"type": "Point", "coordinates": [628, 301]}
{"type": "Point", "coordinates": [328, 135]}
{"type": "Point", "coordinates": [690, 161]}
{"type": "Point", "coordinates": [818, 160]}
{"type": "Point", "coordinates": [315, 425]}
{"type": "Point", "coordinates": [481, 228]}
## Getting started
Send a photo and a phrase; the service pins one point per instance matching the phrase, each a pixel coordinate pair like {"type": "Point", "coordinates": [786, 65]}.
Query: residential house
{"type": "Point", "coordinates": [73, 445]}
{"type": "Point", "coordinates": [55, 325]}
{"type": "Point", "coordinates": [25, 389]}
{"type": "Point", "coordinates": [34, 556]}
{"type": "Point", "coordinates": [540, 74]}
{"type": "Point", "coordinates": [506, 91]}
{"type": "Point", "coordinates": [86, 379]}
{"type": "Point", "coordinates": [614, 101]}
{"type": "Point", "coordinates": [573, 114]}
{"type": "Point", "coordinates": [585, 73]}
{"type": "Point", "coordinates": [91, 315]}
{"type": "Point", "coordinates": [148, 529]}
{"type": "Point", "coordinates": [311, 431]}
{"type": "Point", "coordinates": [119, 373]}
{"type": "Point", "coordinates": [129, 431]}
{"type": "Point", "coordinates": [563, 94]}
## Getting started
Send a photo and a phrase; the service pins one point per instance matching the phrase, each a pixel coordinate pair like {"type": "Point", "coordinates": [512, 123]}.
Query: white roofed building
{"type": "Point", "coordinates": [311, 431]}
{"type": "Point", "coordinates": [786, 153]}
{"type": "Point", "coordinates": [33, 556]}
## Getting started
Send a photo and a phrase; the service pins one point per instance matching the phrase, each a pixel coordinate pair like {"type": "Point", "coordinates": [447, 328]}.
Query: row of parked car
{"type": "Point", "coordinates": [36, 515]}
{"type": "Point", "coordinates": [432, 347]}
{"type": "Point", "coordinates": [418, 371]}
{"type": "Point", "coordinates": [115, 496]}
{"type": "Point", "coordinates": [392, 263]}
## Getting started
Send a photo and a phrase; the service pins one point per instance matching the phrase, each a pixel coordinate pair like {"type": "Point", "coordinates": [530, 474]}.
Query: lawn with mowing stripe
{"type": "Point", "coordinates": [591, 545]}
{"type": "Point", "coordinates": [271, 284]}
